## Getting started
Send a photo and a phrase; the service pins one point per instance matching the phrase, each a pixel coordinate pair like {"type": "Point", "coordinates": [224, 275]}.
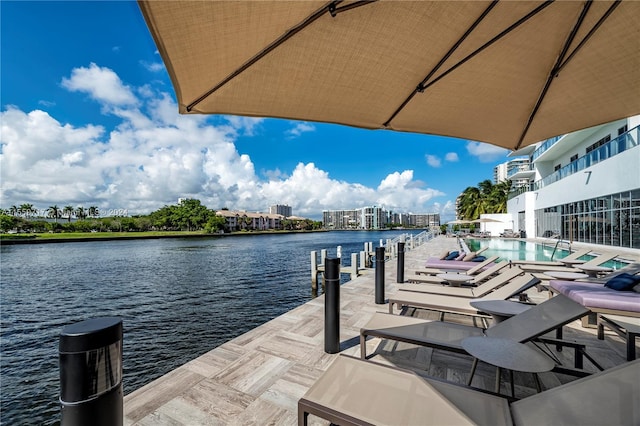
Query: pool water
{"type": "Point", "coordinates": [525, 250]}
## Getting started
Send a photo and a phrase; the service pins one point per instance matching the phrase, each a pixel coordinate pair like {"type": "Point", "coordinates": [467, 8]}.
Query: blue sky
{"type": "Point", "coordinates": [89, 118]}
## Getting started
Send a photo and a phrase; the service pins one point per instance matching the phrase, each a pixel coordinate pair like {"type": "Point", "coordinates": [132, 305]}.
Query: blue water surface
{"type": "Point", "coordinates": [178, 298]}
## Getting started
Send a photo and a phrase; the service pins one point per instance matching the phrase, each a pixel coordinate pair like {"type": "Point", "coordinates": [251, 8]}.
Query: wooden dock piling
{"type": "Point", "coordinates": [318, 268]}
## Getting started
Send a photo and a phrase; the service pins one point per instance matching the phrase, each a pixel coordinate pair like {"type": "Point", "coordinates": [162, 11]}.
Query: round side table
{"type": "Point", "coordinates": [509, 354]}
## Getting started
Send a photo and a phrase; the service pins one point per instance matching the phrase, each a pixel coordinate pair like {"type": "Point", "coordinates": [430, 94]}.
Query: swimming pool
{"type": "Point", "coordinates": [525, 250]}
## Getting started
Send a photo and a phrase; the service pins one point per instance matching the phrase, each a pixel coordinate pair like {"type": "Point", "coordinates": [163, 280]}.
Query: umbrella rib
{"type": "Point", "coordinates": [333, 10]}
{"type": "Point", "coordinates": [420, 87]}
{"type": "Point", "coordinates": [589, 34]}
{"type": "Point", "coordinates": [554, 70]}
{"type": "Point", "coordinates": [352, 6]}
{"type": "Point", "coordinates": [490, 42]}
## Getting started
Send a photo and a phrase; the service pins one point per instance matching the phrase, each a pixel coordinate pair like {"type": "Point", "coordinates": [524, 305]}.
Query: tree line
{"type": "Point", "coordinates": [188, 215]}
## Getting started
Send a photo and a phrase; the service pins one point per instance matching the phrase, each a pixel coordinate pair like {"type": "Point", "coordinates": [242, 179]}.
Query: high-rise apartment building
{"type": "Point", "coordinates": [375, 217]}
{"type": "Point", "coordinates": [282, 209]}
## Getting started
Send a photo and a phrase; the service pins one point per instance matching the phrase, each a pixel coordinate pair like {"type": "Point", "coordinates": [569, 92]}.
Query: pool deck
{"type": "Point", "coordinates": [258, 377]}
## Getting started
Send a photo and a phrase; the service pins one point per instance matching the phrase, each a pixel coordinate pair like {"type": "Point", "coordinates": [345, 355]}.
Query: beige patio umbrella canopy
{"type": "Point", "coordinates": [508, 73]}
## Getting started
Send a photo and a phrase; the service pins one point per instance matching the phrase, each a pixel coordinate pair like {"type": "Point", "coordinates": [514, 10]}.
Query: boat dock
{"type": "Point", "coordinates": [258, 377]}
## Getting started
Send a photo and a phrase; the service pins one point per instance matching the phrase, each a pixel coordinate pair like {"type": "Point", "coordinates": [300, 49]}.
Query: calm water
{"type": "Point", "coordinates": [178, 298]}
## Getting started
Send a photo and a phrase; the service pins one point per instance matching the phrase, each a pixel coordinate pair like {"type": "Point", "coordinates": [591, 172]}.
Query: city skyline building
{"type": "Point", "coordinates": [375, 217]}
{"type": "Point", "coordinates": [282, 209]}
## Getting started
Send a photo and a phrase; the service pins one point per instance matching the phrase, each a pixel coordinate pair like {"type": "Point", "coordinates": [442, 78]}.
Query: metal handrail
{"type": "Point", "coordinates": [556, 247]}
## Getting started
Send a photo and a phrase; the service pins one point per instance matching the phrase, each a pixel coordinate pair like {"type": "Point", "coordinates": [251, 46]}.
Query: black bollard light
{"type": "Point", "coordinates": [380, 275]}
{"type": "Point", "coordinates": [332, 305]}
{"type": "Point", "coordinates": [400, 262]}
{"type": "Point", "coordinates": [91, 373]}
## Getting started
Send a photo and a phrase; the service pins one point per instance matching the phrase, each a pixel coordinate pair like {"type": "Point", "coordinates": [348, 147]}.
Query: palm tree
{"type": "Point", "coordinates": [498, 197]}
{"type": "Point", "coordinates": [54, 212]}
{"type": "Point", "coordinates": [68, 212]}
{"type": "Point", "coordinates": [27, 209]}
{"type": "Point", "coordinates": [93, 211]}
{"type": "Point", "coordinates": [470, 204]}
{"type": "Point", "coordinates": [13, 210]}
{"type": "Point", "coordinates": [81, 213]}
{"type": "Point", "coordinates": [485, 198]}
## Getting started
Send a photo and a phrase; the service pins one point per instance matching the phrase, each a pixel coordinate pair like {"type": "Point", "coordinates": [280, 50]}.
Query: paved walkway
{"type": "Point", "coordinates": [258, 377]}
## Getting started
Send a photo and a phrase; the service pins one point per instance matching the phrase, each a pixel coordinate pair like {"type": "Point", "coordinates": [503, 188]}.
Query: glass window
{"type": "Point", "coordinates": [635, 198]}
{"type": "Point", "coordinates": [634, 236]}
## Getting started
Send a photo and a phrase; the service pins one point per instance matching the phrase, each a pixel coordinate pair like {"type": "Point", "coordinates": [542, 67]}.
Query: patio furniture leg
{"type": "Point", "coordinates": [473, 371]}
{"type": "Point", "coordinates": [303, 417]}
{"type": "Point", "coordinates": [513, 387]}
{"type": "Point", "coordinates": [536, 379]}
{"type": "Point", "coordinates": [559, 337]}
{"type": "Point", "coordinates": [631, 345]}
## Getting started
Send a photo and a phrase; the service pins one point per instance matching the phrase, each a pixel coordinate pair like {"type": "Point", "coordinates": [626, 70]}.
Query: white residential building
{"type": "Point", "coordinates": [582, 186]}
{"type": "Point", "coordinates": [519, 171]}
{"type": "Point", "coordinates": [500, 173]}
{"type": "Point", "coordinates": [241, 220]}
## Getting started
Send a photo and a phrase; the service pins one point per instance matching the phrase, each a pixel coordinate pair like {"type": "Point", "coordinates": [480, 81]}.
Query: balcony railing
{"type": "Point", "coordinates": [520, 168]}
{"type": "Point", "coordinates": [618, 145]}
{"type": "Point", "coordinates": [545, 146]}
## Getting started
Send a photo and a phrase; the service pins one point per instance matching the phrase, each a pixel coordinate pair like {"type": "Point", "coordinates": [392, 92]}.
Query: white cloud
{"type": "Point", "coordinates": [486, 152]}
{"type": "Point", "coordinates": [152, 66]}
{"type": "Point", "coordinates": [153, 156]}
{"type": "Point", "coordinates": [247, 126]}
{"type": "Point", "coordinates": [433, 161]}
{"type": "Point", "coordinates": [299, 129]}
{"type": "Point", "coordinates": [452, 157]}
{"type": "Point", "coordinates": [46, 104]}
{"type": "Point", "coordinates": [102, 84]}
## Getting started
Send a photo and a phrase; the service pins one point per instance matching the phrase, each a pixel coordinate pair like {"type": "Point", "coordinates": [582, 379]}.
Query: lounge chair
{"type": "Point", "coordinates": [356, 392]}
{"type": "Point", "coordinates": [596, 261]}
{"type": "Point", "coordinates": [528, 325]}
{"type": "Point", "coordinates": [456, 304]}
{"type": "Point", "coordinates": [609, 397]}
{"type": "Point", "coordinates": [572, 256]}
{"type": "Point", "coordinates": [502, 278]}
{"type": "Point", "coordinates": [478, 267]}
{"type": "Point", "coordinates": [598, 298]}
{"type": "Point", "coordinates": [438, 263]}
{"type": "Point", "coordinates": [473, 279]}
{"type": "Point", "coordinates": [632, 268]}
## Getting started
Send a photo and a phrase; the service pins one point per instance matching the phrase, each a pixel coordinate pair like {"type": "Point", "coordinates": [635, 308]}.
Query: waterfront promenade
{"type": "Point", "coordinates": [258, 377]}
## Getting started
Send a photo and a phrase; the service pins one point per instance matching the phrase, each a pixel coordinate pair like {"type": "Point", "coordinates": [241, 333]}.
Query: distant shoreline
{"type": "Point", "coordinates": [60, 238]}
